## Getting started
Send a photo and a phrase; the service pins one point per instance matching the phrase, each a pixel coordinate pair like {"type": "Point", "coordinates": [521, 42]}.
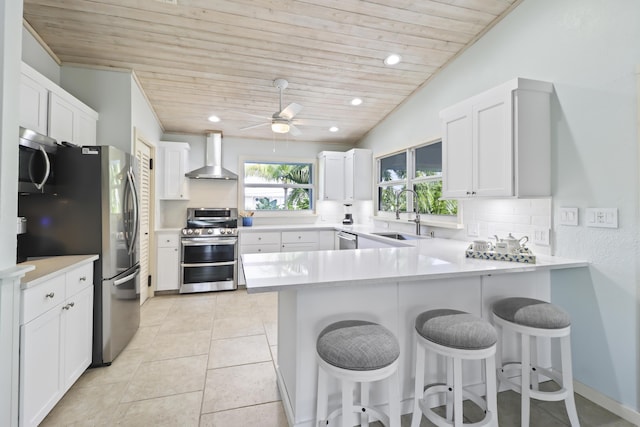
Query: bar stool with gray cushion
{"type": "Point", "coordinates": [532, 318]}
{"type": "Point", "coordinates": [457, 336]}
{"type": "Point", "coordinates": [357, 351]}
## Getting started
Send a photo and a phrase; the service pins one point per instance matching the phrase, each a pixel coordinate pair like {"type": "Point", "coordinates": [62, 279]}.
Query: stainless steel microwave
{"type": "Point", "coordinates": [36, 167]}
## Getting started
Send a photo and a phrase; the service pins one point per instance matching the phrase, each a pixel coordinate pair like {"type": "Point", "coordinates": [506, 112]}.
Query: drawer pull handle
{"type": "Point", "coordinates": [68, 306]}
{"type": "Point", "coordinates": [50, 295]}
{"type": "Point", "coordinates": [83, 278]}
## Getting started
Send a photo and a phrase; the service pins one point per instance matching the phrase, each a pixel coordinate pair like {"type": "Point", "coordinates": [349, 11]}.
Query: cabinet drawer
{"type": "Point", "coordinates": [299, 237]}
{"type": "Point", "coordinates": [260, 238]}
{"type": "Point", "coordinates": [79, 279]}
{"type": "Point", "coordinates": [40, 298]}
{"type": "Point", "coordinates": [168, 240]}
{"type": "Point", "coordinates": [257, 249]}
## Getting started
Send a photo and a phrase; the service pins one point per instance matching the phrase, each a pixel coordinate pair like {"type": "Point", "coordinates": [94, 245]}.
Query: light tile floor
{"type": "Point", "coordinates": [207, 360]}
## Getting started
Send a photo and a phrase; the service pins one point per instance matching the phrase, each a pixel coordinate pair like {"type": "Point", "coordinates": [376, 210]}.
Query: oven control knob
{"type": "Point", "coordinates": [198, 232]}
{"type": "Point", "coordinates": [189, 231]}
{"type": "Point", "coordinates": [210, 231]}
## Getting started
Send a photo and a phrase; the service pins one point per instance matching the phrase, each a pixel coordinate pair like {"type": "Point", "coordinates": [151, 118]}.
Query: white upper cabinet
{"type": "Point", "coordinates": [497, 144]}
{"type": "Point", "coordinates": [331, 175]}
{"type": "Point", "coordinates": [345, 177]}
{"type": "Point", "coordinates": [34, 105]}
{"type": "Point", "coordinates": [358, 165]}
{"type": "Point", "coordinates": [173, 162]}
{"type": "Point", "coordinates": [48, 109]}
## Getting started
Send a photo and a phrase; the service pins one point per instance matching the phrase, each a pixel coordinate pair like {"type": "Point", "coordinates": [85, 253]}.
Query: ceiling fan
{"type": "Point", "coordinates": [282, 120]}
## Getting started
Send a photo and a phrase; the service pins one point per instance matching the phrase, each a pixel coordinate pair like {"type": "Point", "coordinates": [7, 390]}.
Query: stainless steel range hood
{"type": "Point", "coordinates": [213, 161]}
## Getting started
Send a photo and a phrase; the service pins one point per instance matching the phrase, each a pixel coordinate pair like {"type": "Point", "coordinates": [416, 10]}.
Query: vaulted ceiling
{"type": "Point", "coordinates": [197, 58]}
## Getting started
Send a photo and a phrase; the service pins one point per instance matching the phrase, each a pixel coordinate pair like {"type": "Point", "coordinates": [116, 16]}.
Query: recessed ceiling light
{"type": "Point", "coordinates": [334, 129]}
{"type": "Point", "coordinates": [356, 101]}
{"type": "Point", "coordinates": [392, 59]}
{"type": "Point", "coordinates": [214, 119]}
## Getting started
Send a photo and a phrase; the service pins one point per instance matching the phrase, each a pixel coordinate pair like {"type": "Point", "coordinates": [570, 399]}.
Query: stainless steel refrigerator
{"type": "Point", "coordinates": [95, 211]}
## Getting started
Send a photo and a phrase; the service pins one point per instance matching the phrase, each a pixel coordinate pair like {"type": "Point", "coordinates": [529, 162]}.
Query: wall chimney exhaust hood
{"type": "Point", "coordinates": [213, 161]}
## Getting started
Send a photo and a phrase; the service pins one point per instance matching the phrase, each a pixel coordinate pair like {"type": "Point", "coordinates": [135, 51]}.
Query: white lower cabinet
{"type": "Point", "coordinates": [296, 241]}
{"type": "Point", "coordinates": [167, 261]}
{"type": "Point", "coordinates": [55, 340]}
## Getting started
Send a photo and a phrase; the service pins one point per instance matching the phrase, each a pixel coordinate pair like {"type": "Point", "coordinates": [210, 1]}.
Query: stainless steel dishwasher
{"type": "Point", "coordinates": [347, 240]}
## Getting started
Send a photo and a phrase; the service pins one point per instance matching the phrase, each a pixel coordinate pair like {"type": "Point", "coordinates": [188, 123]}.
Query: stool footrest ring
{"type": "Point", "coordinates": [515, 369]}
{"type": "Point", "coordinates": [466, 394]}
{"type": "Point", "coordinates": [383, 418]}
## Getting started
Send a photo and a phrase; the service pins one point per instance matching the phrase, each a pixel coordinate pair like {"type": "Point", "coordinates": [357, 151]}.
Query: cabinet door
{"type": "Point", "coordinates": [41, 383]}
{"type": "Point", "coordinates": [85, 129]}
{"type": "Point", "coordinates": [358, 174]}
{"type": "Point", "coordinates": [332, 176]}
{"type": "Point", "coordinates": [493, 145]}
{"type": "Point", "coordinates": [34, 99]}
{"type": "Point", "coordinates": [77, 326]}
{"type": "Point", "coordinates": [173, 168]}
{"type": "Point", "coordinates": [168, 269]}
{"type": "Point", "coordinates": [61, 117]}
{"type": "Point", "coordinates": [457, 153]}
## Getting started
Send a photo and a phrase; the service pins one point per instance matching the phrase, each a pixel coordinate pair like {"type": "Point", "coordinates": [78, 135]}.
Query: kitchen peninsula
{"type": "Point", "coordinates": [390, 286]}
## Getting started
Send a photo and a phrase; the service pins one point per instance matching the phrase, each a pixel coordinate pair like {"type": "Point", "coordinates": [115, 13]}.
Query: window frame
{"type": "Point", "coordinates": [278, 160]}
{"type": "Point", "coordinates": [409, 183]}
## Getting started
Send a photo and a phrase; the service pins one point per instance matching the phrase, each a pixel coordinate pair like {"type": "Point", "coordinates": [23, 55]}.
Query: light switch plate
{"type": "Point", "coordinates": [473, 229]}
{"type": "Point", "coordinates": [602, 217]}
{"type": "Point", "coordinates": [568, 216]}
{"type": "Point", "coordinates": [541, 236]}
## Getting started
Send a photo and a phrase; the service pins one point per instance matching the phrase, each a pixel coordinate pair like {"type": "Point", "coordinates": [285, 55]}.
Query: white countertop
{"type": "Point", "coordinates": [427, 259]}
{"type": "Point", "coordinates": [46, 268]}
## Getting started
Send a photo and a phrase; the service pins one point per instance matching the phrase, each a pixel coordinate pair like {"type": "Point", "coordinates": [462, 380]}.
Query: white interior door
{"type": "Point", "coordinates": [143, 157]}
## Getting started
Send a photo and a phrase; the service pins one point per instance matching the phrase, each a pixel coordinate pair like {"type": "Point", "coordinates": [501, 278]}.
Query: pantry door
{"type": "Point", "coordinates": [144, 153]}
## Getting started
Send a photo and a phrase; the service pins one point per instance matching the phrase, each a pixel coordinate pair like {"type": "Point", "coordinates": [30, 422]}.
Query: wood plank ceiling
{"type": "Point", "coordinates": [197, 58]}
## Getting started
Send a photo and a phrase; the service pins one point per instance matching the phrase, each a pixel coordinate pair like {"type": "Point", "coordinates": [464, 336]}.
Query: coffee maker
{"type": "Point", "coordinates": [348, 217]}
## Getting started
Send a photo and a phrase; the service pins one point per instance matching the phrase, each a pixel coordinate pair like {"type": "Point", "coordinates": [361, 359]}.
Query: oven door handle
{"type": "Point", "coordinates": [208, 264]}
{"type": "Point", "coordinates": [208, 242]}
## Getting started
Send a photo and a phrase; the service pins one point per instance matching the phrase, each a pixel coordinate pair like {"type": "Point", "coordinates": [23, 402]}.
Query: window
{"type": "Point", "coordinates": [278, 186]}
{"type": "Point", "coordinates": [418, 168]}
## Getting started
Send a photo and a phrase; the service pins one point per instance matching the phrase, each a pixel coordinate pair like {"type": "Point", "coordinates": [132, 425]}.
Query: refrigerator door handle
{"type": "Point", "coordinates": [136, 220]}
{"type": "Point", "coordinates": [126, 278]}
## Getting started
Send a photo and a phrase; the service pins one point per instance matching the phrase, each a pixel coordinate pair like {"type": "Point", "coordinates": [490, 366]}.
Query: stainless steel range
{"type": "Point", "coordinates": [209, 250]}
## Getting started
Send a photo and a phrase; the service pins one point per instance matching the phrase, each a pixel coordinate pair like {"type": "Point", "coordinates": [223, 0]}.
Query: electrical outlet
{"type": "Point", "coordinates": [473, 229]}
{"type": "Point", "coordinates": [602, 217]}
{"type": "Point", "coordinates": [541, 236]}
{"type": "Point", "coordinates": [568, 216]}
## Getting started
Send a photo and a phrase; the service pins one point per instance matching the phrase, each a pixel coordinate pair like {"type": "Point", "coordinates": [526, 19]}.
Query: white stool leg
{"type": "Point", "coordinates": [525, 373]}
{"type": "Point", "coordinates": [567, 380]}
{"type": "Point", "coordinates": [347, 403]}
{"type": "Point", "coordinates": [322, 398]}
{"type": "Point", "coordinates": [394, 400]}
{"type": "Point", "coordinates": [492, 392]}
{"type": "Point", "coordinates": [450, 383]}
{"type": "Point", "coordinates": [458, 418]}
{"type": "Point", "coordinates": [419, 386]}
{"type": "Point", "coordinates": [500, 334]}
{"type": "Point", "coordinates": [534, 363]}
{"type": "Point", "coordinates": [364, 402]}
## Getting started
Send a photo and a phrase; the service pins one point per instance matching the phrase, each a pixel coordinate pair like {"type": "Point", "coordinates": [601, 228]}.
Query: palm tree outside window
{"type": "Point", "coordinates": [278, 186]}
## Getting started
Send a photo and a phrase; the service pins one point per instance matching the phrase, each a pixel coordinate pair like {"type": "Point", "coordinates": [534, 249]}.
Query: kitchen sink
{"type": "Point", "coordinates": [398, 236]}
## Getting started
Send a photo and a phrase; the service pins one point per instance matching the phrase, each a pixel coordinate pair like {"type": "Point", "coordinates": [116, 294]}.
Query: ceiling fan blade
{"type": "Point", "coordinates": [255, 126]}
{"type": "Point", "coordinates": [251, 115]}
{"type": "Point", "coordinates": [294, 130]}
{"type": "Point", "coordinates": [290, 111]}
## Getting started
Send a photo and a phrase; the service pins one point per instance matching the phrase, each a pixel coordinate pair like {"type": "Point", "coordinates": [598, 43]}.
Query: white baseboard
{"type": "Point", "coordinates": [607, 403]}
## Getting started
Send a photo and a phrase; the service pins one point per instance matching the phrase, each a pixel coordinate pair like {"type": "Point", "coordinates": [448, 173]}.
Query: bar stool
{"type": "Point", "coordinates": [356, 351]}
{"type": "Point", "coordinates": [458, 336]}
{"type": "Point", "coordinates": [532, 318]}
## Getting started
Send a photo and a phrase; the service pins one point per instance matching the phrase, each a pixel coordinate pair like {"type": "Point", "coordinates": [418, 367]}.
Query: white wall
{"type": "Point", "coordinates": [34, 55]}
{"type": "Point", "coordinates": [109, 93]}
{"type": "Point", "coordinates": [142, 116]}
{"type": "Point", "coordinates": [589, 49]}
{"type": "Point", "coordinates": [217, 193]}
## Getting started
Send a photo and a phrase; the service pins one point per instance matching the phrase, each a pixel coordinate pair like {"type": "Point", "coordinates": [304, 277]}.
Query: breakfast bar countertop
{"type": "Point", "coordinates": [45, 268]}
{"type": "Point", "coordinates": [426, 259]}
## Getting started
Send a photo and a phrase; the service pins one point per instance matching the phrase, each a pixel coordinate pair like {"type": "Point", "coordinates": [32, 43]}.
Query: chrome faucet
{"type": "Point", "coordinates": [415, 208]}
